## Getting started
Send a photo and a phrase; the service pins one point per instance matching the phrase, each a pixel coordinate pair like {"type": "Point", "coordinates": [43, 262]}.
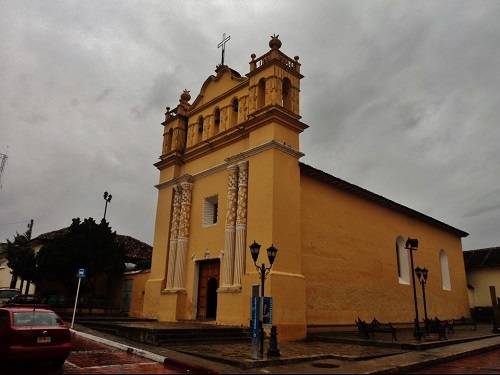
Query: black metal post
{"type": "Point", "coordinates": [105, 208]}
{"type": "Point", "coordinates": [261, 306]}
{"type": "Point", "coordinates": [425, 303]}
{"type": "Point", "coordinates": [416, 333]}
{"type": "Point", "coordinates": [107, 198]}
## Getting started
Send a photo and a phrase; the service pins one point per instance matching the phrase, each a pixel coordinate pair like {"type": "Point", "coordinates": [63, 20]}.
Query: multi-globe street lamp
{"type": "Point", "coordinates": [263, 271]}
{"type": "Point", "coordinates": [422, 275]}
{"type": "Point", "coordinates": [412, 245]}
{"type": "Point", "coordinates": [107, 197]}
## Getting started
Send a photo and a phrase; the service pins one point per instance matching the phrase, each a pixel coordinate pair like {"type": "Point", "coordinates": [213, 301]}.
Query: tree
{"type": "Point", "coordinates": [21, 259]}
{"type": "Point", "coordinates": [85, 245]}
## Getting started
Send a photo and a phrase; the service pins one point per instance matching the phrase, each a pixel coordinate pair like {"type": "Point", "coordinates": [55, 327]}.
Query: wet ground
{"type": "Point", "coordinates": [484, 363]}
{"type": "Point", "coordinates": [89, 357]}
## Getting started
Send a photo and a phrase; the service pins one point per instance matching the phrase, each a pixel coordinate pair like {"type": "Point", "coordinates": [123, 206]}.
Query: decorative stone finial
{"type": "Point", "coordinates": [253, 56]}
{"type": "Point", "coordinates": [275, 43]}
{"type": "Point", "coordinates": [185, 96]}
{"type": "Point", "coordinates": [296, 58]}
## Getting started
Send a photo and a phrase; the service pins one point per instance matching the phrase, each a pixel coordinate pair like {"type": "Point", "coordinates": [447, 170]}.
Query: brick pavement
{"type": "Point", "coordinates": [484, 363]}
{"type": "Point", "coordinates": [89, 357]}
{"type": "Point", "coordinates": [95, 358]}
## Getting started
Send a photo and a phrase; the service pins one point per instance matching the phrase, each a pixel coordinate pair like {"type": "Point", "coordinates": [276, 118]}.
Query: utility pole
{"type": "Point", "coordinates": [30, 231]}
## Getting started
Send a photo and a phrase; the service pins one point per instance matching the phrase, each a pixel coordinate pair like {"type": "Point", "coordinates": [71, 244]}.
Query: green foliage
{"type": "Point", "coordinates": [86, 245]}
{"type": "Point", "coordinates": [21, 257]}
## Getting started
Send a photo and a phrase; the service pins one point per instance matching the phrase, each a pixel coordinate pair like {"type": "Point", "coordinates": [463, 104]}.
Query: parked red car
{"type": "Point", "coordinates": [31, 333]}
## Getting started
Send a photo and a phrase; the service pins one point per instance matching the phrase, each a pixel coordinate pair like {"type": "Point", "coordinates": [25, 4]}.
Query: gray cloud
{"type": "Point", "coordinates": [402, 98]}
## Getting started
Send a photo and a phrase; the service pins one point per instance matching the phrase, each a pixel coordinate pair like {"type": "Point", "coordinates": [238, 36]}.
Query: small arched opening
{"type": "Point", "coordinates": [169, 139]}
{"type": "Point", "coordinates": [216, 121]}
{"type": "Point", "coordinates": [234, 111]}
{"type": "Point", "coordinates": [261, 94]}
{"type": "Point", "coordinates": [200, 129]}
{"type": "Point", "coordinates": [286, 89]}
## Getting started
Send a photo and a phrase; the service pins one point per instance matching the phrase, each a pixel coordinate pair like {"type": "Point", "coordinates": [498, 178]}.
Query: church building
{"type": "Point", "coordinates": [230, 174]}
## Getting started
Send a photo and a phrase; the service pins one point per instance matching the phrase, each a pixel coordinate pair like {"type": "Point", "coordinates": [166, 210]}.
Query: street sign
{"type": "Point", "coordinates": [255, 316]}
{"type": "Point", "coordinates": [82, 273]}
{"type": "Point", "coordinates": [267, 312]}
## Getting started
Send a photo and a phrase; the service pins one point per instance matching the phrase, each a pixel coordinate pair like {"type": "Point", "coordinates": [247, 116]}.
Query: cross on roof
{"type": "Point", "coordinates": [223, 45]}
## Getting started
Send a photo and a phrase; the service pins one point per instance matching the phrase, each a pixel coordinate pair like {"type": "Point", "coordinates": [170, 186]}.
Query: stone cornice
{"type": "Point", "coordinates": [271, 145]}
{"type": "Point", "coordinates": [175, 181]}
{"type": "Point", "coordinates": [261, 118]}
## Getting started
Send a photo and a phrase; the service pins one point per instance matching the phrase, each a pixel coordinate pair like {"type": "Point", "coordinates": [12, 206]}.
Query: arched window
{"type": "Point", "coordinates": [200, 129]}
{"type": "Point", "coordinates": [261, 94]}
{"type": "Point", "coordinates": [216, 120]}
{"type": "Point", "coordinates": [234, 111]}
{"type": "Point", "coordinates": [445, 270]}
{"type": "Point", "coordinates": [286, 89]}
{"type": "Point", "coordinates": [169, 139]}
{"type": "Point", "coordinates": [403, 265]}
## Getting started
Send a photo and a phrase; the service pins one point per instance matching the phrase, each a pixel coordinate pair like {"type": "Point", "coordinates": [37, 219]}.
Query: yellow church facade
{"type": "Point", "coordinates": [230, 174]}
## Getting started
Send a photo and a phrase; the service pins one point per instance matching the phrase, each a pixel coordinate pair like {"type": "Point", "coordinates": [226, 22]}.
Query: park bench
{"type": "Point", "coordinates": [441, 327]}
{"type": "Point", "coordinates": [365, 329]}
{"type": "Point", "coordinates": [463, 321]}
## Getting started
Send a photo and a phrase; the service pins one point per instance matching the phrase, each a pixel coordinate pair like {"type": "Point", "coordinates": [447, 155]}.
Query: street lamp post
{"type": "Point", "coordinates": [422, 274]}
{"type": "Point", "coordinates": [412, 245]}
{"type": "Point", "coordinates": [107, 199]}
{"type": "Point", "coordinates": [263, 272]}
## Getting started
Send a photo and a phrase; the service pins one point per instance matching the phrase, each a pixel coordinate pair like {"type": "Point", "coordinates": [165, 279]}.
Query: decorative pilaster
{"type": "Point", "coordinates": [229, 231]}
{"type": "Point", "coordinates": [241, 223]}
{"type": "Point", "coordinates": [174, 231]}
{"type": "Point", "coordinates": [183, 237]}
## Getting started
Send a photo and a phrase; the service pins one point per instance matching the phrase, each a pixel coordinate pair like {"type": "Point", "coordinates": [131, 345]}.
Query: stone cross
{"type": "Point", "coordinates": [223, 45]}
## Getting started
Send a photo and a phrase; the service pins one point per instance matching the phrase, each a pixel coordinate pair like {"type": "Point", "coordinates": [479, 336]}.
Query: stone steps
{"type": "Point", "coordinates": [183, 334]}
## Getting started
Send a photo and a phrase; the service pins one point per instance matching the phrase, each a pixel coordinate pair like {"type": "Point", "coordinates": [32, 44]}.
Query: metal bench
{"type": "Point", "coordinates": [441, 327]}
{"type": "Point", "coordinates": [463, 321]}
{"type": "Point", "coordinates": [365, 329]}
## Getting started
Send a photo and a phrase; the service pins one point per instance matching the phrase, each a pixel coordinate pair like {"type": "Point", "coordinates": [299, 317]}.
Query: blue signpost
{"type": "Point", "coordinates": [81, 274]}
{"type": "Point", "coordinates": [254, 325]}
{"type": "Point", "coordinates": [267, 312]}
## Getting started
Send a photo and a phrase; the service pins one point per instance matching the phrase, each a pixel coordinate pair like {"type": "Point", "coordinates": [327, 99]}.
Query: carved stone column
{"type": "Point", "coordinates": [229, 231]}
{"type": "Point", "coordinates": [174, 232]}
{"type": "Point", "coordinates": [241, 223]}
{"type": "Point", "coordinates": [183, 237]}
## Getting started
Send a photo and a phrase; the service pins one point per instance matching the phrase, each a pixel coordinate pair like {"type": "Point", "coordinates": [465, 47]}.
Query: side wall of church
{"type": "Point", "coordinates": [350, 265]}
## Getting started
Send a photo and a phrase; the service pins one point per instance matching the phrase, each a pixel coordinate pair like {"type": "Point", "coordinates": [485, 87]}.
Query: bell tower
{"type": "Point", "coordinates": [274, 80]}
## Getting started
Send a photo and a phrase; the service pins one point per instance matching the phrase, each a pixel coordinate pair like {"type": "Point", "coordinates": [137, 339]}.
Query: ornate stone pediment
{"type": "Point", "coordinates": [214, 86]}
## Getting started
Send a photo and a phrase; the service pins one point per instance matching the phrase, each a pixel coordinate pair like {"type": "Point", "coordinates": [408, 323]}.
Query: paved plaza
{"type": "Point", "coordinates": [323, 356]}
{"type": "Point", "coordinates": [484, 363]}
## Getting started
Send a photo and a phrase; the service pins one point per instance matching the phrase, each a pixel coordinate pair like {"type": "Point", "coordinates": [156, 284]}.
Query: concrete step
{"type": "Point", "coordinates": [183, 334]}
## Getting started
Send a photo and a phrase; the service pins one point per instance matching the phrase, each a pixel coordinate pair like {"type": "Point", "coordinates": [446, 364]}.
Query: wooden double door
{"type": "Point", "coordinates": [208, 283]}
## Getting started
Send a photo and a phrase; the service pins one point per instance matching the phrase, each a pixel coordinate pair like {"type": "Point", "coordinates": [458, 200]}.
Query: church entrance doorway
{"type": "Point", "coordinates": [208, 283]}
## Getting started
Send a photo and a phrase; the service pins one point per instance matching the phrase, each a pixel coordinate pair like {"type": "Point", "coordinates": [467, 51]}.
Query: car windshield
{"type": "Point", "coordinates": [8, 293]}
{"type": "Point", "coordinates": [36, 318]}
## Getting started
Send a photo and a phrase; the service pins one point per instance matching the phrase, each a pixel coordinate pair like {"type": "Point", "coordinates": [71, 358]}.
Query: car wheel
{"type": "Point", "coordinates": [58, 363]}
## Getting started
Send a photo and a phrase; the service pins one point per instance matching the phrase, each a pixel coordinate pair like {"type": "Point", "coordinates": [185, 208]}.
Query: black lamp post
{"type": "Point", "coordinates": [107, 199]}
{"type": "Point", "coordinates": [263, 272]}
{"type": "Point", "coordinates": [412, 245]}
{"type": "Point", "coordinates": [422, 274]}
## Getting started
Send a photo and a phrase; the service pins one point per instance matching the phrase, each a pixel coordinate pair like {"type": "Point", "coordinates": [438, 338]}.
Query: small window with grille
{"type": "Point", "coordinates": [211, 210]}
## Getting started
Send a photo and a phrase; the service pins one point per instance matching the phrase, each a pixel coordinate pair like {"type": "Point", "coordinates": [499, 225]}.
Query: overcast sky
{"type": "Point", "coordinates": [402, 98]}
